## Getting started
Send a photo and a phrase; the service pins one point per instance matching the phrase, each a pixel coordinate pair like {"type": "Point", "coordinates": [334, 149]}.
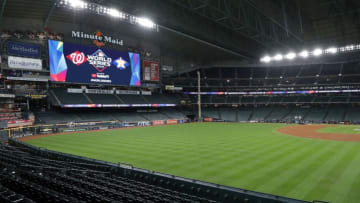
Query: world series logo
{"type": "Point", "coordinates": [99, 60]}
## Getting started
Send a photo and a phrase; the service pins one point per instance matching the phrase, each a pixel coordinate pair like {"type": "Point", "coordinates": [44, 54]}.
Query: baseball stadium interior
{"type": "Point", "coordinates": [84, 66]}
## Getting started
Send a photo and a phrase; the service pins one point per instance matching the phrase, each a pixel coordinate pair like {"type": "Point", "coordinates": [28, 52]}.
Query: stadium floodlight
{"type": "Point", "coordinates": [114, 13]}
{"type": "Point", "coordinates": [290, 56]}
{"type": "Point", "coordinates": [317, 52]}
{"type": "Point", "coordinates": [304, 54]}
{"type": "Point", "coordinates": [77, 4]}
{"type": "Point", "coordinates": [98, 9]}
{"type": "Point", "coordinates": [331, 50]}
{"type": "Point", "coordinates": [266, 59]}
{"type": "Point", "coordinates": [145, 22]}
{"type": "Point", "coordinates": [278, 57]}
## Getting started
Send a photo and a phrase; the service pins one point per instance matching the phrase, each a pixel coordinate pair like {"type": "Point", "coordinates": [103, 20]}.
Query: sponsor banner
{"type": "Point", "coordinates": [98, 38]}
{"type": "Point", "coordinates": [158, 122]}
{"type": "Point", "coordinates": [172, 87]}
{"type": "Point", "coordinates": [7, 95]}
{"type": "Point", "coordinates": [29, 79]}
{"type": "Point", "coordinates": [46, 130]}
{"type": "Point", "coordinates": [274, 92]}
{"type": "Point", "coordinates": [169, 122]}
{"type": "Point", "coordinates": [73, 124]}
{"type": "Point", "coordinates": [151, 85]}
{"type": "Point", "coordinates": [146, 92]}
{"type": "Point", "coordinates": [128, 92]}
{"type": "Point", "coordinates": [36, 96]}
{"type": "Point", "coordinates": [151, 71]}
{"type": "Point", "coordinates": [183, 121]}
{"type": "Point", "coordinates": [74, 90]}
{"type": "Point", "coordinates": [99, 91]}
{"type": "Point", "coordinates": [147, 110]}
{"type": "Point", "coordinates": [114, 105]}
{"type": "Point", "coordinates": [129, 124]}
{"type": "Point", "coordinates": [84, 64]}
{"type": "Point", "coordinates": [24, 49]}
{"type": "Point", "coordinates": [144, 123]}
{"type": "Point", "coordinates": [167, 68]}
{"type": "Point", "coordinates": [19, 123]}
{"type": "Point", "coordinates": [73, 130]}
{"type": "Point", "coordinates": [208, 119]}
{"type": "Point", "coordinates": [24, 63]}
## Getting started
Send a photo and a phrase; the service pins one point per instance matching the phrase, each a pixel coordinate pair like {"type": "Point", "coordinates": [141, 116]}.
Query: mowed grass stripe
{"type": "Point", "coordinates": [297, 175]}
{"type": "Point", "coordinates": [330, 177]}
{"type": "Point", "coordinates": [353, 194]}
{"type": "Point", "coordinates": [290, 165]}
{"type": "Point", "coordinates": [273, 167]}
{"type": "Point", "coordinates": [250, 156]}
{"type": "Point", "coordinates": [340, 188]}
{"type": "Point", "coordinates": [305, 189]}
{"type": "Point", "coordinates": [251, 165]}
{"type": "Point", "coordinates": [215, 157]}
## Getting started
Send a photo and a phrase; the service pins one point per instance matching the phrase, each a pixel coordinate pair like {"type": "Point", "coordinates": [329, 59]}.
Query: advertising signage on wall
{"type": "Point", "coordinates": [151, 71]}
{"type": "Point", "coordinates": [84, 64]}
{"type": "Point", "coordinates": [24, 63]}
{"type": "Point", "coordinates": [24, 49]}
{"type": "Point", "coordinates": [98, 38]}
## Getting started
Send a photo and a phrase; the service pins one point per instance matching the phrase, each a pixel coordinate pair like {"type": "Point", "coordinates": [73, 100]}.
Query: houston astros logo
{"type": "Point", "coordinates": [77, 58]}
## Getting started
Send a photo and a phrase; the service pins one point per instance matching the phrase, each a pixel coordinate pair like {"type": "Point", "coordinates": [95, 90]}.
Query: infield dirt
{"type": "Point", "coordinates": [310, 131]}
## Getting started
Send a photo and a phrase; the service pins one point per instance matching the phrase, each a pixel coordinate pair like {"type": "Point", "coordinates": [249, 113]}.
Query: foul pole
{"type": "Point", "coordinates": [199, 96]}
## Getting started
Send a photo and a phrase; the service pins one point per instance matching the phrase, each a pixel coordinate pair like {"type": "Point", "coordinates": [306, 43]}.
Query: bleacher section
{"type": "Point", "coordinates": [53, 117]}
{"type": "Point", "coordinates": [285, 114]}
{"type": "Point", "coordinates": [29, 174]}
{"type": "Point", "coordinates": [302, 75]}
{"type": "Point", "coordinates": [244, 114]}
{"type": "Point", "coordinates": [173, 114]}
{"type": "Point", "coordinates": [86, 98]}
{"type": "Point", "coordinates": [152, 116]}
{"type": "Point", "coordinates": [228, 114]}
{"type": "Point", "coordinates": [133, 99]}
{"type": "Point", "coordinates": [316, 114]}
{"type": "Point", "coordinates": [298, 112]}
{"type": "Point", "coordinates": [211, 112]}
{"type": "Point", "coordinates": [70, 98]}
{"type": "Point", "coordinates": [278, 113]}
{"type": "Point", "coordinates": [353, 115]}
{"type": "Point", "coordinates": [336, 114]}
{"type": "Point", "coordinates": [128, 116]}
{"type": "Point", "coordinates": [103, 99]}
{"type": "Point", "coordinates": [260, 114]}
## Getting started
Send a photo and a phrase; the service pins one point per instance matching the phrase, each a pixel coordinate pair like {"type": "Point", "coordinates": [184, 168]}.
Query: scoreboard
{"type": "Point", "coordinates": [85, 64]}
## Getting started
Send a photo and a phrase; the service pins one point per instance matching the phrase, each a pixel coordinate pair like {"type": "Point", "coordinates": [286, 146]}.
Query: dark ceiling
{"type": "Point", "coordinates": [222, 29]}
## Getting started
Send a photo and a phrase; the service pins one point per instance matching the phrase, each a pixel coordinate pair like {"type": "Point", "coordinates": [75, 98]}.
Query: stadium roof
{"type": "Point", "coordinates": [220, 29]}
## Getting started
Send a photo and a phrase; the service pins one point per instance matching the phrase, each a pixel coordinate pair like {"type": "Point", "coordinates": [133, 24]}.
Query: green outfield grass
{"type": "Point", "coordinates": [249, 156]}
{"type": "Point", "coordinates": [342, 129]}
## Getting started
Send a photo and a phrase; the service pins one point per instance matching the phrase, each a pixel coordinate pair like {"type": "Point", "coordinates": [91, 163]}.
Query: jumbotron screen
{"type": "Point", "coordinates": [84, 64]}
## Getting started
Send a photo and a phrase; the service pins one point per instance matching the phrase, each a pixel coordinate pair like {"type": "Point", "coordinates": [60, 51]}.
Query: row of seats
{"type": "Point", "coordinates": [221, 99]}
{"type": "Point", "coordinates": [285, 114]}
{"type": "Point", "coordinates": [27, 175]}
{"type": "Point", "coordinates": [277, 71]}
{"type": "Point", "coordinates": [64, 97]}
{"type": "Point", "coordinates": [52, 117]}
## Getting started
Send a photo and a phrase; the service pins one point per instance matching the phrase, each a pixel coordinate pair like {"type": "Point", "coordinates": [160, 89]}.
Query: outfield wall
{"type": "Point", "coordinates": [83, 126]}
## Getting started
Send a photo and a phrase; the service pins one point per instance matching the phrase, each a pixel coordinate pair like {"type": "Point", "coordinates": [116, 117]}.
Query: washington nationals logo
{"type": "Point", "coordinates": [77, 58]}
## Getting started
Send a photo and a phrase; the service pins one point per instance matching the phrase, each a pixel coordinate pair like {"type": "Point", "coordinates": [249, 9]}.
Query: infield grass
{"type": "Point", "coordinates": [249, 156]}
